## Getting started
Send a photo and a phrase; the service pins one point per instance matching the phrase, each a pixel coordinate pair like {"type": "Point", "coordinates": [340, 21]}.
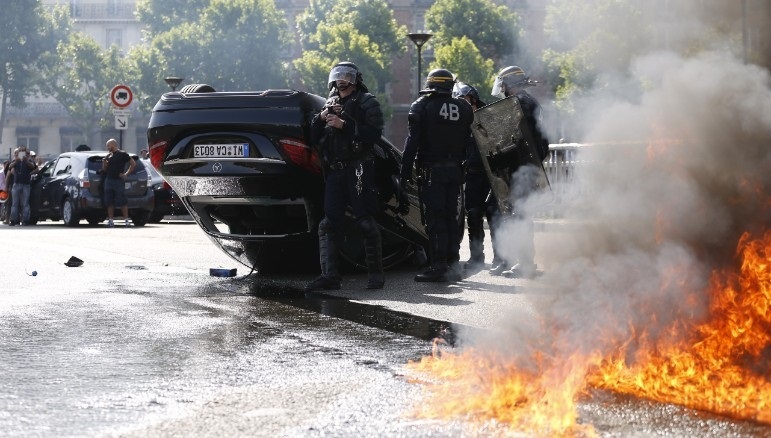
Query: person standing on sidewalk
{"type": "Point", "coordinates": [512, 82]}
{"type": "Point", "coordinates": [439, 126]}
{"type": "Point", "coordinates": [21, 169]}
{"type": "Point", "coordinates": [345, 132]}
{"type": "Point", "coordinates": [115, 173]}
{"type": "Point", "coordinates": [476, 188]}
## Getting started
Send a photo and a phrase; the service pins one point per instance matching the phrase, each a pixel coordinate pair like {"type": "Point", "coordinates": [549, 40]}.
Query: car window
{"type": "Point", "coordinates": [63, 166]}
{"type": "Point", "coordinates": [47, 170]}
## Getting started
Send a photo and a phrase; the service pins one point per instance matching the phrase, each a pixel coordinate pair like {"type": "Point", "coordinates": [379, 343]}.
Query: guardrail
{"type": "Point", "coordinates": [560, 167]}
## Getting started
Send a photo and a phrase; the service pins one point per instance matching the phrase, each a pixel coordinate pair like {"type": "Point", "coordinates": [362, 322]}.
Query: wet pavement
{"type": "Point", "coordinates": [141, 341]}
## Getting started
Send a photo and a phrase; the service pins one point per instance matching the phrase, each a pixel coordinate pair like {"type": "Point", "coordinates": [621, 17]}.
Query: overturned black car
{"type": "Point", "coordinates": [242, 165]}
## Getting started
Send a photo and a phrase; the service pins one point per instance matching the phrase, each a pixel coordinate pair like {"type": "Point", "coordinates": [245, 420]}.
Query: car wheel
{"type": "Point", "coordinates": [68, 213]}
{"type": "Point", "coordinates": [155, 218]}
{"type": "Point", "coordinates": [139, 219]}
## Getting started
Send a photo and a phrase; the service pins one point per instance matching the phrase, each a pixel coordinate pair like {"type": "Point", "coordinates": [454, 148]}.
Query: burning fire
{"type": "Point", "coordinates": [720, 364]}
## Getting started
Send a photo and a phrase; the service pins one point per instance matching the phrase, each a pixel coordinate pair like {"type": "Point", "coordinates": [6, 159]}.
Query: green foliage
{"type": "Point", "coordinates": [82, 78]}
{"type": "Point", "coordinates": [228, 44]}
{"type": "Point", "coordinates": [465, 61]}
{"type": "Point", "coordinates": [589, 43]}
{"type": "Point", "coordinates": [247, 39]}
{"type": "Point", "coordinates": [494, 29]}
{"type": "Point", "coordinates": [308, 21]}
{"type": "Point", "coordinates": [342, 42]}
{"type": "Point", "coordinates": [371, 17]}
{"type": "Point", "coordinates": [361, 31]}
{"type": "Point", "coordinates": [28, 38]}
{"type": "Point", "coordinates": [160, 16]}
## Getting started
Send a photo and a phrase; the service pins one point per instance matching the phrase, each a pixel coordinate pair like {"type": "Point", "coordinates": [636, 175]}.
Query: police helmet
{"type": "Point", "coordinates": [439, 80]}
{"type": "Point", "coordinates": [462, 89]}
{"type": "Point", "coordinates": [344, 71]}
{"type": "Point", "coordinates": [511, 76]}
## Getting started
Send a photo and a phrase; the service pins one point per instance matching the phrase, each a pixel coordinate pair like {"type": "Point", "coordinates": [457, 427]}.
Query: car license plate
{"type": "Point", "coordinates": [127, 186]}
{"type": "Point", "coordinates": [221, 150]}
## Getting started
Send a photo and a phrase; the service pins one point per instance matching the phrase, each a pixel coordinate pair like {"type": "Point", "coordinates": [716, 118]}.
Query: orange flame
{"type": "Point", "coordinates": [721, 365]}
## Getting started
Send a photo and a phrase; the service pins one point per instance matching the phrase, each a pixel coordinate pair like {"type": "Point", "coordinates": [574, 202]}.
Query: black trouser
{"type": "Point", "coordinates": [440, 191]}
{"type": "Point", "coordinates": [352, 185]}
{"type": "Point", "coordinates": [475, 196]}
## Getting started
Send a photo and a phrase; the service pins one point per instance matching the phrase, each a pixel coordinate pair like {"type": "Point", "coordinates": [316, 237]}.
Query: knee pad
{"type": "Point", "coordinates": [325, 227]}
{"type": "Point", "coordinates": [475, 215]}
{"type": "Point", "coordinates": [368, 226]}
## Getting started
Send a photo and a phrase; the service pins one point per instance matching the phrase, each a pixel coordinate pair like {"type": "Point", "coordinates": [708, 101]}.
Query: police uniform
{"type": "Point", "coordinates": [348, 158]}
{"type": "Point", "coordinates": [439, 126]}
{"type": "Point", "coordinates": [511, 81]}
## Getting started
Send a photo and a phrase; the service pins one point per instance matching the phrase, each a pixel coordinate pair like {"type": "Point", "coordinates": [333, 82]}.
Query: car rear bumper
{"type": "Point", "coordinates": [91, 203]}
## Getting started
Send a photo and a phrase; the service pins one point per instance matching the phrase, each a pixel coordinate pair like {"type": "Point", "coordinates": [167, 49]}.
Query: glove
{"type": "Point", "coordinates": [403, 207]}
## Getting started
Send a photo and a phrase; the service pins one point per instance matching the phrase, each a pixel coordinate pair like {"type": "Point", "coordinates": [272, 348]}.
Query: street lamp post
{"type": "Point", "coordinates": [173, 82]}
{"type": "Point", "coordinates": [419, 39]}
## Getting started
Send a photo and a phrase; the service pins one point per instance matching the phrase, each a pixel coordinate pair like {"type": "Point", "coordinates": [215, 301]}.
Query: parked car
{"type": "Point", "coordinates": [167, 203]}
{"type": "Point", "coordinates": [69, 188]}
{"type": "Point", "coordinates": [242, 165]}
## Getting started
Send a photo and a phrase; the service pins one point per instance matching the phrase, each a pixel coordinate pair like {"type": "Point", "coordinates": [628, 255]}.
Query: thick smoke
{"type": "Point", "coordinates": [676, 174]}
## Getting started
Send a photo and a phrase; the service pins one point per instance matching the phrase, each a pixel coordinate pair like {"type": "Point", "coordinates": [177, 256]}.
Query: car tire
{"type": "Point", "coordinates": [92, 220]}
{"type": "Point", "coordinates": [139, 219]}
{"type": "Point", "coordinates": [155, 218]}
{"type": "Point", "coordinates": [69, 217]}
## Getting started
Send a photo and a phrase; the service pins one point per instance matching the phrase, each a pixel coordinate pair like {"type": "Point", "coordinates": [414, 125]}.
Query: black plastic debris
{"type": "Point", "coordinates": [74, 262]}
{"type": "Point", "coordinates": [222, 272]}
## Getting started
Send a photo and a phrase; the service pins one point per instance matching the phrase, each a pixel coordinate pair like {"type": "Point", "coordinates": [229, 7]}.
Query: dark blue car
{"type": "Point", "coordinates": [69, 188]}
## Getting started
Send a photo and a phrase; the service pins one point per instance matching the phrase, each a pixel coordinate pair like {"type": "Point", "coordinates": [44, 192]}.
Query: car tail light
{"type": "Point", "coordinates": [158, 153]}
{"type": "Point", "coordinates": [301, 154]}
{"type": "Point", "coordinates": [83, 180]}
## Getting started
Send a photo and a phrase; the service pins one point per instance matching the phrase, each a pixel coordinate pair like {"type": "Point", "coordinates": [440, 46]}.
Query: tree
{"type": "Point", "coordinates": [362, 31]}
{"type": "Point", "coordinates": [29, 35]}
{"type": "Point", "coordinates": [160, 16]}
{"type": "Point", "coordinates": [494, 29]}
{"type": "Point", "coordinates": [462, 58]}
{"type": "Point", "coordinates": [591, 46]}
{"type": "Point", "coordinates": [233, 45]}
{"type": "Point", "coordinates": [371, 17]}
{"type": "Point", "coordinates": [338, 43]}
{"type": "Point", "coordinates": [82, 78]}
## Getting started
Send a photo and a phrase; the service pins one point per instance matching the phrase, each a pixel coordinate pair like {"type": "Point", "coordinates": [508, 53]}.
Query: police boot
{"type": "Point", "coordinates": [477, 259]}
{"type": "Point", "coordinates": [499, 265]}
{"type": "Point", "coordinates": [329, 278]}
{"type": "Point", "coordinates": [521, 270]}
{"type": "Point", "coordinates": [373, 252]}
{"type": "Point", "coordinates": [437, 273]}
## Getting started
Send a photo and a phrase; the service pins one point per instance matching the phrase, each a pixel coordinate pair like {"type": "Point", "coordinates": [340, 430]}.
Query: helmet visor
{"type": "Point", "coordinates": [461, 90]}
{"type": "Point", "coordinates": [498, 88]}
{"type": "Point", "coordinates": [342, 73]}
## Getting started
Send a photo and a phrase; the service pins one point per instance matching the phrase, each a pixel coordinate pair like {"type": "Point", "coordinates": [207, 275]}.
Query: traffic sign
{"type": "Point", "coordinates": [121, 122]}
{"type": "Point", "coordinates": [121, 96]}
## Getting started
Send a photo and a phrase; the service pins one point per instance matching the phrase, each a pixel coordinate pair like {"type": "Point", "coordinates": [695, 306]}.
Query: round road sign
{"type": "Point", "coordinates": [121, 96]}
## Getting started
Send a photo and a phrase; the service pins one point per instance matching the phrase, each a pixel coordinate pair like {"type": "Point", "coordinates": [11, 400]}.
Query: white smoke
{"type": "Point", "coordinates": [678, 173]}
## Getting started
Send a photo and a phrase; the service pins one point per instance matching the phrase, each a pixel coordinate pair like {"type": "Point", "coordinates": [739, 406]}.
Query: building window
{"type": "Point", "coordinates": [76, 8]}
{"type": "Point", "coordinates": [69, 139]}
{"type": "Point", "coordinates": [115, 37]}
{"type": "Point", "coordinates": [114, 8]}
{"type": "Point", "coordinates": [28, 136]}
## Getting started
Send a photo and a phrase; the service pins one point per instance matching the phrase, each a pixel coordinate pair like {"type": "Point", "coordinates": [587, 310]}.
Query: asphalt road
{"type": "Point", "coordinates": [141, 341]}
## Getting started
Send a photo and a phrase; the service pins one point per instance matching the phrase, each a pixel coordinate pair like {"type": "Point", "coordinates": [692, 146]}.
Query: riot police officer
{"type": "Point", "coordinates": [439, 125]}
{"type": "Point", "coordinates": [512, 82]}
{"type": "Point", "coordinates": [345, 132]}
{"type": "Point", "coordinates": [476, 187]}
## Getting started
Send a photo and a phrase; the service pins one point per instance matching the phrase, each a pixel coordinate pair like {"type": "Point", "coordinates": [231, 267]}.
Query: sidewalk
{"type": "Point", "coordinates": [480, 300]}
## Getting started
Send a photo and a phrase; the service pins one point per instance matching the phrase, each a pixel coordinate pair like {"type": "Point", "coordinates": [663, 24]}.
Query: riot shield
{"type": "Point", "coordinates": [505, 144]}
